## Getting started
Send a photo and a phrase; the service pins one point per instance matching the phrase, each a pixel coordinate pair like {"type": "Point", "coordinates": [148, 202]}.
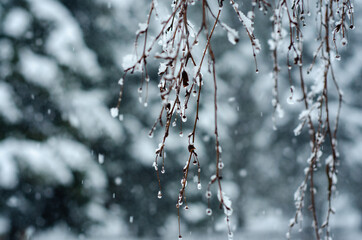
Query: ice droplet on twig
{"type": "Point", "coordinates": [208, 212]}
{"type": "Point", "coordinates": [114, 112]}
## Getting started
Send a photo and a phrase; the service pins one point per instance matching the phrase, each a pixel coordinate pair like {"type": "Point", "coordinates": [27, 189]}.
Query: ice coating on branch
{"type": "Point", "coordinates": [142, 28]}
{"type": "Point", "coordinates": [232, 34]}
{"type": "Point", "coordinates": [248, 24]}
{"type": "Point", "coordinates": [129, 61]}
{"type": "Point", "coordinates": [223, 198]}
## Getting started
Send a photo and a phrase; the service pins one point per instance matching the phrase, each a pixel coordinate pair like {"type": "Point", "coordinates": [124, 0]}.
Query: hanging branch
{"type": "Point", "coordinates": [332, 17]}
{"type": "Point", "coordinates": [178, 82]}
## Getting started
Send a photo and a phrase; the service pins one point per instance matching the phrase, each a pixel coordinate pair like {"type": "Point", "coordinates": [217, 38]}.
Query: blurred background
{"type": "Point", "coordinates": [68, 170]}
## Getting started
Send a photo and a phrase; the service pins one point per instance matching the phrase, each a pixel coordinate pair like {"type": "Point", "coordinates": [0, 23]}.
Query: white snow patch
{"type": "Point", "coordinates": [8, 108]}
{"type": "Point", "coordinates": [88, 112]}
{"type": "Point", "coordinates": [16, 22]}
{"type": "Point", "coordinates": [65, 42]}
{"type": "Point", "coordinates": [53, 160]}
{"type": "Point", "coordinates": [38, 69]}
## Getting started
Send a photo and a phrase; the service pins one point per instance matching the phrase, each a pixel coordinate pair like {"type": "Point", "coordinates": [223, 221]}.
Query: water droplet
{"type": "Point", "coordinates": [114, 112]}
{"type": "Point", "coordinates": [289, 67]}
{"type": "Point", "coordinates": [100, 158]}
{"type": "Point", "coordinates": [180, 237]}
{"type": "Point", "coordinates": [221, 165]}
{"type": "Point", "coordinates": [147, 79]}
{"type": "Point", "coordinates": [131, 219]}
{"type": "Point", "coordinates": [257, 71]}
{"type": "Point", "coordinates": [155, 166]}
{"type": "Point", "coordinates": [230, 236]}
{"type": "Point", "coordinates": [338, 57]}
{"type": "Point", "coordinates": [118, 181]}
{"type": "Point", "coordinates": [120, 117]}
{"type": "Point", "coordinates": [220, 149]}
{"type": "Point", "coordinates": [344, 41]}
{"type": "Point", "coordinates": [208, 194]}
{"type": "Point", "coordinates": [140, 90]}
{"type": "Point", "coordinates": [150, 134]}
{"type": "Point", "coordinates": [184, 118]}
{"type": "Point", "coordinates": [145, 104]}
{"type": "Point", "coordinates": [174, 124]}
{"type": "Point", "coordinates": [199, 186]}
{"type": "Point", "coordinates": [114, 195]}
{"type": "Point", "coordinates": [121, 81]}
{"type": "Point", "coordinates": [181, 134]}
{"type": "Point", "coordinates": [186, 207]}
{"type": "Point", "coordinates": [208, 212]}
{"type": "Point", "coordinates": [163, 170]}
{"type": "Point", "coordinates": [159, 195]}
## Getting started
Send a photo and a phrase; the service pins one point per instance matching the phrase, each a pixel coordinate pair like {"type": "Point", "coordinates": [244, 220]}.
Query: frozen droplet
{"type": "Point", "coordinates": [120, 117]}
{"type": "Point", "coordinates": [114, 112]}
{"type": "Point", "coordinates": [184, 118]}
{"type": "Point", "coordinates": [344, 41]}
{"type": "Point", "coordinates": [163, 170]}
{"type": "Point", "coordinates": [199, 186]}
{"type": "Point", "coordinates": [155, 166]}
{"type": "Point", "coordinates": [100, 158]}
{"type": "Point", "coordinates": [121, 81]}
{"type": "Point", "coordinates": [159, 195]}
{"type": "Point", "coordinates": [208, 194]}
{"type": "Point", "coordinates": [174, 124]}
{"type": "Point", "coordinates": [118, 181]}
{"type": "Point", "coordinates": [220, 165]}
{"type": "Point", "coordinates": [208, 212]}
